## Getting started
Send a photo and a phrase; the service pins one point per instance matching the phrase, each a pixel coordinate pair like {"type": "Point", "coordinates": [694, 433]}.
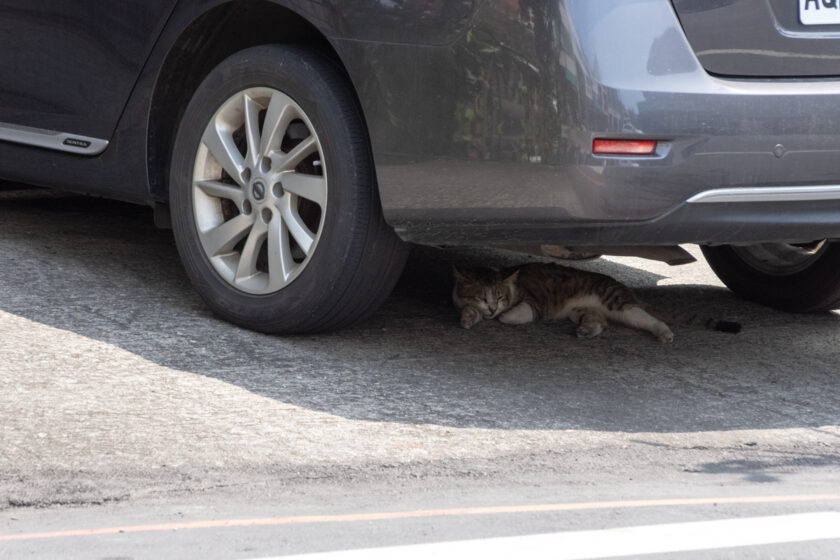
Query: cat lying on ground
{"type": "Point", "coordinates": [546, 292]}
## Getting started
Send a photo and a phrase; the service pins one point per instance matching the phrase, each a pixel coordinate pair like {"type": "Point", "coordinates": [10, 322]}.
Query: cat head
{"type": "Point", "coordinates": [485, 289]}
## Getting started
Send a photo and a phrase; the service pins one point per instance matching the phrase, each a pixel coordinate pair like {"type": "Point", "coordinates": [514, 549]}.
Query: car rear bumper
{"type": "Point", "coordinates": [496, 146]}
{"type": "Point", "coordinates": [705, 224]}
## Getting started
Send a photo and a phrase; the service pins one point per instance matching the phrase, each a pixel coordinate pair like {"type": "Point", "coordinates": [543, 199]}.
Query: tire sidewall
{"type": "Point", "coordinates": [815, 288]}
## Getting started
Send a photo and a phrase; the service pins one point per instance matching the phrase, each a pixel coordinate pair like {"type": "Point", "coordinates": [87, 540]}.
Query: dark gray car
{"type": "Point", "coordinates": [297, 144]}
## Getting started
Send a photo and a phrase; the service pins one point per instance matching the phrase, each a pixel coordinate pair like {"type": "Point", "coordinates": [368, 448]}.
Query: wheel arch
{"type": "Point", "coordinates": [208, 39]}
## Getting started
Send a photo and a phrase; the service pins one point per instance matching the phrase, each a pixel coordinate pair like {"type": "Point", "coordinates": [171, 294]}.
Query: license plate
{"type": "Point", "coordinates": [819, 12]}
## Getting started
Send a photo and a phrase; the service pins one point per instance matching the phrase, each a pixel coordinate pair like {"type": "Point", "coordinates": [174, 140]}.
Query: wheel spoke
{"type": "Point", "coordinates": [297, 228]}
{"type": "Point", "coordinates": [247, 266]}
{"type": "Point", "coordinates": [222, 239]}
{"type": "Point", "coordinates": [280, 262]}
{"type": "Point", "coordinates": [278, 116]}
{"type": "Point", "coordinates": [297, 154]}
{"type": "Point", "coordinates": [252, 129]}
{"type": "Point", "coordinates": [222, 190]}
{"type": "Point", "coordinates": [244, 161]}
{"type": "Point", "coordinates": [310, 187]}
{"type": "Point", "coordinates": [219, 141]}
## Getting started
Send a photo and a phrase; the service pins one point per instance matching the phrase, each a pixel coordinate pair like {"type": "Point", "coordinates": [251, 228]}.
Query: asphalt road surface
{"type": "Point", "coordinates": [135, 424]}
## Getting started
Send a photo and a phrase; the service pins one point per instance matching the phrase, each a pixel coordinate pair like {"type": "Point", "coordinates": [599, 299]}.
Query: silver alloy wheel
{"type": "Point", "coordinates": [781, 259]}
{"type": "Point", "coordinates": [259, 190]}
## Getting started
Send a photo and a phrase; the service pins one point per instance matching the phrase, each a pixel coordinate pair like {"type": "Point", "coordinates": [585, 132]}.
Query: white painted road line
{"type": "Point", "coordinates": [612, 543]}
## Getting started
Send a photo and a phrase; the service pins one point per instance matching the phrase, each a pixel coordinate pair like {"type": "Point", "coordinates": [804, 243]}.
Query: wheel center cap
{"type": "Point", "coordinates": [258, 190]}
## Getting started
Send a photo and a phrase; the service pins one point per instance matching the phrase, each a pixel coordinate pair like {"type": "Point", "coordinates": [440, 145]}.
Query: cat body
{"type": "Point", "coordinates": [550, 292]}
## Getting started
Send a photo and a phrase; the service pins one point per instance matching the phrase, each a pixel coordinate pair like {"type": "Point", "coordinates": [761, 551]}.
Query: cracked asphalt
{"type": "Point", "coordinates": [121, 393]}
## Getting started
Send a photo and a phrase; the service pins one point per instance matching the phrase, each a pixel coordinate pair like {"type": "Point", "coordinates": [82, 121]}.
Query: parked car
{"type": "Point", "coordinates": [295, 145]}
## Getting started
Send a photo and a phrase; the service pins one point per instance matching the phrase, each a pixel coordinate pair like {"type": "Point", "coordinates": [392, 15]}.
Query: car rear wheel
{"type": "Point", "coordinates": [273, 198]}
{"type": "Point", "coordinates": [801, 277]}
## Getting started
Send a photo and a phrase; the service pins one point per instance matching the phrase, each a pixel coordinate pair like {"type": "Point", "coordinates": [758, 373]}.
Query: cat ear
{"type": "Point", "coordinates": [512, 278]}
{"type": "Point", "coordinates": [459, 275]}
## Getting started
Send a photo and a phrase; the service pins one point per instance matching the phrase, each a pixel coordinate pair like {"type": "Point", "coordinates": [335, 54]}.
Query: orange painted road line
{"type": "Point", "coordinates": [384, 516]}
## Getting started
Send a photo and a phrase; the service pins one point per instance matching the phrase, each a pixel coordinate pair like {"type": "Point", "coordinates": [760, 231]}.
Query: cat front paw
{"type": "Point", "coordinates": [589, 330]}
{"type": "Point", "coordinates": [469, 317]}
{"type": "Point", "coordinates": [665, 336]}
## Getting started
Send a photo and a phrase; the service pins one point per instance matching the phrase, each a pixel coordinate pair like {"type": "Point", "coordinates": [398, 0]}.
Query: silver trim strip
{"type": "Point", "coordinates": [52, 140]}
{"type": "Point", "coordinates": [768, 194]}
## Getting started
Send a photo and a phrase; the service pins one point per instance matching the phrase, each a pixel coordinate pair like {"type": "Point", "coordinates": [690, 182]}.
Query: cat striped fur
{"type": "Point", "coordinates": [549, 292]}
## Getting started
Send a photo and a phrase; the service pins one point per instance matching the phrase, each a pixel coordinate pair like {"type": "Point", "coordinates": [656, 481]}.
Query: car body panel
{"type": "Point", "coordinates": [412, 22]}
{"type": "Point", "coordinates": [492, 139]}
{"type": "Point", "coordinates": [75, 63]}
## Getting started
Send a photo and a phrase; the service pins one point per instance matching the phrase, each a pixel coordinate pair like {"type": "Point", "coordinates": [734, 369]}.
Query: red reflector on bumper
{"type": "Point", "coordinates": [623, 147]}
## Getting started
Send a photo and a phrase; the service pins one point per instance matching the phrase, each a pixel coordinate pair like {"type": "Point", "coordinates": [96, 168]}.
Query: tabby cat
{"type": "Point", "coordinates": [534, 292]}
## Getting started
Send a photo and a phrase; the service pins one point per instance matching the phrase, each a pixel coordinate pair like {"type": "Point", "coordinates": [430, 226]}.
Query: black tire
{"type": "Point", "coordinates": [357, 257]}
{"type": "Point", "coordinates": [812, 286]}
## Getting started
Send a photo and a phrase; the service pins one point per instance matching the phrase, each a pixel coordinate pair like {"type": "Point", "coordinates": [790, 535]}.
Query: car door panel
{"type": "Point", "coordinates": [74, 63]}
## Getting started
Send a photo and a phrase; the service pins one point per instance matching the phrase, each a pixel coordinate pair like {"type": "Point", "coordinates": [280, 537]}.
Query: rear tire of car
{"type": "Point", "coordinates": [791, 277]}
{"type": "Point", "coordinates": [273, 196]}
